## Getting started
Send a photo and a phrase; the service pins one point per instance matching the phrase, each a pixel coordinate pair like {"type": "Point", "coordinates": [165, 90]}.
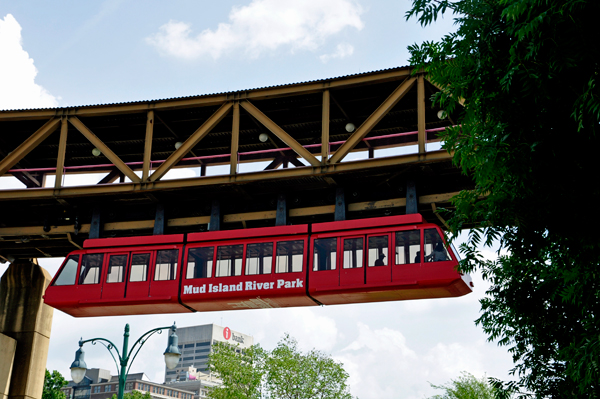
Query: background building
{"type": "Point", "coordinates": [196, 343]}
{"type": "Point", "coordinates": [191, 378]}
{"type": "Point", "coordinates": [99, 384]}
{"type": "Point", "coordinates": [197, 382]}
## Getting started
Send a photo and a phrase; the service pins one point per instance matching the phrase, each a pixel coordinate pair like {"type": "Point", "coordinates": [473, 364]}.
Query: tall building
{"type": "Point", "coordinates": [195, 343]}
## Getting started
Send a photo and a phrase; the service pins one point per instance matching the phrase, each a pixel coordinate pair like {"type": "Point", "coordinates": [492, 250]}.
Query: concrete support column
{"type": "Point", "coordinates": [26, 319]}
{"type": "Point", "coordinates": [8, 346]}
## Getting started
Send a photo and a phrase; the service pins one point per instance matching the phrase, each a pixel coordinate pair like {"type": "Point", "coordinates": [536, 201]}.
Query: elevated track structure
{"type": "Point", "coordinates": [345, 147]}
{"type": "Point", "coordinates": [351, 147]}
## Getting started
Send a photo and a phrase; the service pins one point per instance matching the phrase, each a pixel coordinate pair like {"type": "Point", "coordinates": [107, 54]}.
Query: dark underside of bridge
{"type": "Point", "coordinates": [52, 221]}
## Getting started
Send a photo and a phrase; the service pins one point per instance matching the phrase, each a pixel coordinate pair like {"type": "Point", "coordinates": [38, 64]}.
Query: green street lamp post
{"type": "Point", "coordinates": [172, 354]}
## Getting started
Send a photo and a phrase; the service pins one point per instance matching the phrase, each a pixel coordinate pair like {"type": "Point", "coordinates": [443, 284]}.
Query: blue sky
{"type": "Point", "coordinates": [69, 53]}
{"type": "Point", "coordinates": [99, 52]}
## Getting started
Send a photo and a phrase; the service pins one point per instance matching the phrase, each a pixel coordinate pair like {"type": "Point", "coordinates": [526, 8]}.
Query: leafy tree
{"type": "Point", "coordinates": [282, 373]}
{"type": "Point", "coordinates": [53, 382]}
{"type": "Point", "coordinates": [240, 370]}
{"type": "Point", "coordinates": [292, 374]}
{"type": "Point", "coordinates": [467, 386]}
{"type": "Point", "coordinates": [520, 79]}
{"type": "Point", "coordinates": [134, 395]}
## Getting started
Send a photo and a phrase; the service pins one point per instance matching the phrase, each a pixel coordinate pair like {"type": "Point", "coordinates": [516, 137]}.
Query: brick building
{"type": "Point", "coordinates": [99, 384]}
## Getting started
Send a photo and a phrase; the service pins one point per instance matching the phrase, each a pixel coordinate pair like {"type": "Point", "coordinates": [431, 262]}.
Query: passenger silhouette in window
{"type": "Point", "coordinates": [434, 247]}
{"type": "Point", "coordinates": [418, 257]}
{"type": "Point", "coordinates": [379, 261]}
{"type": "Point", "coordinates": [439, 254]}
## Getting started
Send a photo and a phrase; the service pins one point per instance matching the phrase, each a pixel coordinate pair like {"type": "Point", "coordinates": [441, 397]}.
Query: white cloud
{"type": "Point", "coordinates": [17, 72]}
{"type": "Point", "coordinates": [386, 355]}
{"type": "Point", "coordinates": [262, 26]}
{"type": "Point", "coordinates": [453, 358]}
{"type": "Point", "coordinates": [377, 355]}
{"type": "Point", "coordinates": [380, 340]}
{"type": "Point", "coordinates": [310, 329]}
{"type": "Point", "coordinates": [341, 51]}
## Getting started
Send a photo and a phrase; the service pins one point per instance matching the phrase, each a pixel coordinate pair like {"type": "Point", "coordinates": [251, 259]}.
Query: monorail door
{"type": "Point", "coordinates": [116, 272]}
{"type": "Point", "coordinates": [138, 285]}
{"type": "Point", "coordinates": [378, 258]}
{"type": "Point", "coordinates": [352, 271]}
{"type": "Point", "coordinates": [90, 276]}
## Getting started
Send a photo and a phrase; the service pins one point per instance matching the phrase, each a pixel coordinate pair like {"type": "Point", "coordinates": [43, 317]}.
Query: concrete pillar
{"type": "Point", "coordinates": [7, 355]}
{"type": "Point", "coordinates": [25, 318]}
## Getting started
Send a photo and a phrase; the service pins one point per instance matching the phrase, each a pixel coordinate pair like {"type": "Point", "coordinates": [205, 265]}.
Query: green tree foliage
{"type": "Point", "coordinates": [53, 382]}
{"type": "Point", "coordinates": [467, 386]}
{"type": "Point", "coordinates": [284, 373]}
{"type": "Point", "coordinates": [527, 74]}
{"type": "Point", "coordinates": [292, 374]}
{"type": "Point", "coordinates": [241, 371]}
{"type": "Point", "coordinates": [134, 395]}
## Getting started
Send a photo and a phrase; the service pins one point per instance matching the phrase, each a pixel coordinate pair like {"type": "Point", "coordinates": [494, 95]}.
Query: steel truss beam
{"type": "Point", "coordinates": [107, 152]}
{"type": "Point", "coordinates": [325, 128]}
{"type": "Point", "coordinates": [207, 126]}
{"type": "Point", "coordinates": [62, 149]}
{"type": "Point", "coordinates": [372, 120]}
{"type": "Point", "coordinates": [191, 142]}
{"type": "Point", "coordinates": [148, 145]}
{"type": "Point", "coordinates": [422, 135]}
{"type": "Point", "coordinates": [361, 165]}
{"type": "Point", "coordinates": [7, 232]}
{"type": "Point", "coordinates": [28, 145]}
{"type": "Point", "coordinates": [211, 100]}
{"type": "Point", "coordinates": [280, 133]}
{"type": "Point", "coordinates": [235, 139]}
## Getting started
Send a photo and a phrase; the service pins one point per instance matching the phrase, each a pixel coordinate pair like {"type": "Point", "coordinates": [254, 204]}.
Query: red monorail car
{"type": "Point", "coordinates": [367, 260]}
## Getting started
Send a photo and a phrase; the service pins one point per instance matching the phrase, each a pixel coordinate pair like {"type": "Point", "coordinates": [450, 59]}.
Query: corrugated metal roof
{"type": "Point", "coordinates": [214, 94]}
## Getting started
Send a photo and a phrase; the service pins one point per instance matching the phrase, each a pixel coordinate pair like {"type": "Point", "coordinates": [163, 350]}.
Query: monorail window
{"type": "Point", "coordinates": [91, 268]}
{"type": "Point", "coordinates": [378, 251]}
{"type": "Point", "coordinates": [259, 258]}
{"type": "Point", "coordinates": [229, 260]}
{"type": "Point", "coordinates": [324, 254]}
{"type": "Point", "coordinates": [166, 264]}
{"type": "Point", "coordinates": [408, 247]}
{"type": "Point", "coordinates": [200, 262]}
{"type": "Point", "coordinates": [69, 271]}
{"type": "Point", "coordinates": [435, 250]}
{"type": "Point", "coordinates": [139, 267]}
{"type": "Point", "coordinates": [353, 253]}
{"type": "Point", "coordinates": [290, 256]}
{"type": "Point", "coordinates": [116, 268]}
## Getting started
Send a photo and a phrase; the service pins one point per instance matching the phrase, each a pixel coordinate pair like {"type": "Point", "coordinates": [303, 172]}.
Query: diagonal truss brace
{"type": "Point", "coordinates": [280, 133]}
{"type": "Point", "coordinates": [112, 157]}
{"type": "Point", "coordinates": [373, 119]}
{"type": "Point", "coordinates": [191, 142]}
{"type": "Point", "coordinates": [28, 145]}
